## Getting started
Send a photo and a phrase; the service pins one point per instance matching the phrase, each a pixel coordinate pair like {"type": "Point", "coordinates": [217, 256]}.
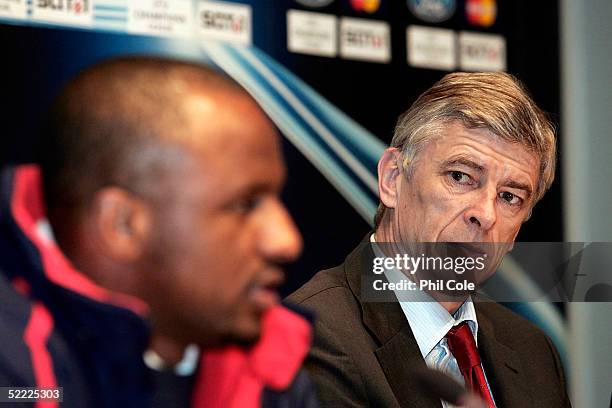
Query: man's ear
{"type": "Point", "coordinates": [388, 171]}
{"type": "Point", "coordinates": [122, 222]}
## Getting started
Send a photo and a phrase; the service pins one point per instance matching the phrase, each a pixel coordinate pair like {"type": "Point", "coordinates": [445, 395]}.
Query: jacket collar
{"type": "Point", "coordinates": [96, 313]}
{"type": "Point", "coordinates": [105, 332]}
{"type": "Point", "coordinates": [25, 207]}
{"type": "Point", "coordinates": [501, 363]}
{"type": "Point", "coordinates": [397, 352]}
{"type": "Point", "coordinates": [233, 377]}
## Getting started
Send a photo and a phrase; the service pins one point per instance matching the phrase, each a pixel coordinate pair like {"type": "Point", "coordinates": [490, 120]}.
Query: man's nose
{"type": "Point", "coordinates": [280, 240]}
{"type": "Point", "coordinates": [483, 211]}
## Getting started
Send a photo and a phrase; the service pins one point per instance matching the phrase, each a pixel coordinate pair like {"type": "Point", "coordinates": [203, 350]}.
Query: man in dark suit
{"type": "Point", "coordinates": [467, 163]}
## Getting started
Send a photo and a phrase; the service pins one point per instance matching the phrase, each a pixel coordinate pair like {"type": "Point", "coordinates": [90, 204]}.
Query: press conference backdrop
{"type": "Point", "coordinates": [333, 75]}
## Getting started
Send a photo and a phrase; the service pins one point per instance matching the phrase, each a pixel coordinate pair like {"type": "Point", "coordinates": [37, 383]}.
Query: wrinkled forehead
{"type": "Point", "coordinates": [482, 150]}
{"type": "Point", "coordinates": [451, 134]}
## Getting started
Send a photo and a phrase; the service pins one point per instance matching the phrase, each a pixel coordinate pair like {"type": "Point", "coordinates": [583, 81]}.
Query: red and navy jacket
{"type": "Point", "coordinates": [60, 329]}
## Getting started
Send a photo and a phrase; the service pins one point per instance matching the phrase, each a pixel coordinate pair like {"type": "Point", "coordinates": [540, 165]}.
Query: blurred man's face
{"type": "Point", "coordinates": [467, 186]}
{"type": "Point", "coordinates": [221, 230]}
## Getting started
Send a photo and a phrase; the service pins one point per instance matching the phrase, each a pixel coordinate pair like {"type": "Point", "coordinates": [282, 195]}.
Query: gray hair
{"type": "Point", "coordinates": [497, 102]}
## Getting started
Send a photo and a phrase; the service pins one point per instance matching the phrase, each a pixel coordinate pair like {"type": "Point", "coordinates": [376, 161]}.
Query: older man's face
{"type": "Point", "coordinates": [222, 230]}
{"type": "Point", "coordinates": [467, 186]}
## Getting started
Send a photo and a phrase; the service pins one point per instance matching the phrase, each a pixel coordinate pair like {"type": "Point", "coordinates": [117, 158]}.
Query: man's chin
{"type": "Point", "coordinates": [244, 338]}
{"type": "Point", "coordinates": [246, 331]}
{"type": "Point", "coordinates": [244, 334]}
{"type": "Point", "coordinates": [243, 330]}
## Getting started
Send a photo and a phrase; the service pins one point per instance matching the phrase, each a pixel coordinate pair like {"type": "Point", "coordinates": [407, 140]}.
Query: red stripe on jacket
{"type": "Point", "coordinates": [233, 377]}
{"type": "Point", "coordinates": [35, 336]}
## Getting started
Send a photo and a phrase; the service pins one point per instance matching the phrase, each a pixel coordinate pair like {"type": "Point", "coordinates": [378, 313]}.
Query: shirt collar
{"type": "Point", "coordinates": [187, 365]}
{"type": "Point", "coordinates": [429, 321]}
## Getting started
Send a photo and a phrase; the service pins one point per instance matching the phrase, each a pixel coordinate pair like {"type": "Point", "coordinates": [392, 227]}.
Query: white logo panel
{"type": "Point", "coordinates": [161, 17]}
{"type": "Point", "coordinates": [225, 22]}
{"type": "Point", "coordinates": [13, 9]}
{"type": "Point", "coordinates": [366, 40]}
{"type": "Point", "coordinates": [432, 48]}
{"type": "Point", "coordinates": [312, 33]}
{"type": "Point", "coordinates": [70, 12]}
{"type": "Point", "coordinates": [482, 52]}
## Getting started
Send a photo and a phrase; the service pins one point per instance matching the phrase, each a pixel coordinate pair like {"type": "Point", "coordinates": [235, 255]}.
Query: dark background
{"type": "Point", "coordinates": [37, 61]}
{"type": "Point", "coordinates": [376, 94]}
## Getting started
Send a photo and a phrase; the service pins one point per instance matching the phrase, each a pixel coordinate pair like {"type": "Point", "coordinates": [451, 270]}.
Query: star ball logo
{"type": "Point", "coordinates": [481, 12]}
{"type": "Point", "coordinates": [368, 6]}
{"type": "Point", "coordinates": [432, 11]}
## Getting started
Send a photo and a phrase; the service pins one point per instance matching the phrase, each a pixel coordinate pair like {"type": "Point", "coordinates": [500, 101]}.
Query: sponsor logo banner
{"type": "Point", "coordinates": [432, 11]}
{"type": "Point", "coordinates": [366, 40]}
{"type": "Point", "coordinates": [482, 52]}
{"type": "Point", "coordinates": [161, 17]}
{"type": "Point", "coordinates": [70, 12]}
{"type": "Point", "coordinates": [225, 22]}
{"type": "Point", "coordinates": [13, 9]}
{"type": "Point", "coordinates": [432, 48]}
{"type": "Point", "coordinates": [312, 33]}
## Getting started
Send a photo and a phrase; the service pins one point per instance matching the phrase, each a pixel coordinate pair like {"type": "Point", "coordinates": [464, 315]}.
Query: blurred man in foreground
{"type": "Point", "coordinates": [161, 185]}
{"type": "Point", "coordinates": [468, 162]}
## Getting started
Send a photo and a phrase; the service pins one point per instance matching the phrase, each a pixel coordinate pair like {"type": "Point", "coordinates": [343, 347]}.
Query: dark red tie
{"type": "Point", "coordinates": [461, 343]}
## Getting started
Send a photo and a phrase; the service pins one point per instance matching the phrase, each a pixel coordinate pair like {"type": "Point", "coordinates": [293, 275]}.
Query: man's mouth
{"type": "Point", "coordinates": [264, 292]}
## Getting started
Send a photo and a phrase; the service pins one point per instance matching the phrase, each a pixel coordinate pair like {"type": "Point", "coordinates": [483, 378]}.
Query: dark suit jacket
{"type": "Point", "coordinates": [364, 352]}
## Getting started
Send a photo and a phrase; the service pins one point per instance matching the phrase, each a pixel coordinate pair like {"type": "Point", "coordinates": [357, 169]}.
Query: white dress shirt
{"type": "Point", "coordinates": [430, 322]}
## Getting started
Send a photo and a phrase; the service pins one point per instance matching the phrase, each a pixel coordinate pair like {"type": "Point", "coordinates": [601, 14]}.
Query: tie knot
{"type": "Point", "coordinates": [461, 343]}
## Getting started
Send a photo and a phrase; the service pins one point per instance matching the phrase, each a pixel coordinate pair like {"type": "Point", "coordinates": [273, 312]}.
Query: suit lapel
{"type": "Point", "coordinates": [399, 357]}
{"type": "Point", "coordinates": [501, 364]}
{"type": "Point", "coordinates": [398, 352]}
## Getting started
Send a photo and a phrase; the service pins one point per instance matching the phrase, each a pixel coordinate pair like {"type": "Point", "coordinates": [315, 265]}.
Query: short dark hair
{"type": "Point", "coordinates": [110, 123]}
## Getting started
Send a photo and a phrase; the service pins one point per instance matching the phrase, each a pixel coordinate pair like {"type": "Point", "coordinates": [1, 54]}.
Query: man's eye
{"type": "Point", "coordinates": [245, 205]}
{"type": "Point", "coordinates": [460, 177]}
{"type": "Point", "coordinates": [510, 198]}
